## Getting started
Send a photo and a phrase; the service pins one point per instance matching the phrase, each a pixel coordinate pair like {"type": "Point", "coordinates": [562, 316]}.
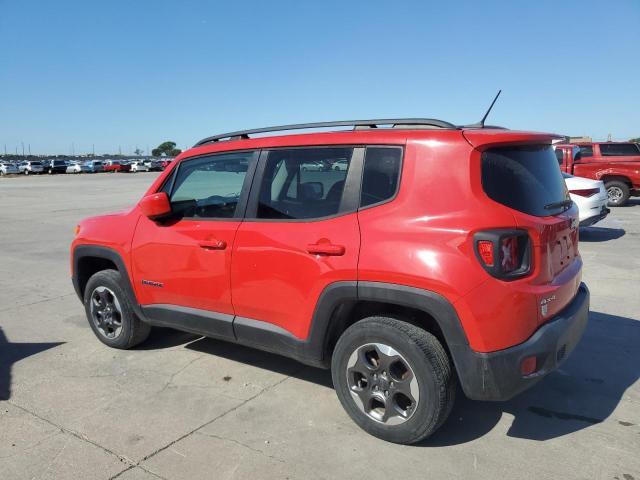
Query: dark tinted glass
{"type": "Point", "coordinates": [526, 179]}
{"type": "Point", "coordinates": [303, 182]}
{"type": "Point", "coordinates": [210, 187]}
{"type": "Point", "coordinates": [586, 151]}
{"type": "Point", "coordinates": [560, 155]}
{"type": "Point", "coordinates": [380, 175]}
{"type": "Point", "coordinates": [619, 149]}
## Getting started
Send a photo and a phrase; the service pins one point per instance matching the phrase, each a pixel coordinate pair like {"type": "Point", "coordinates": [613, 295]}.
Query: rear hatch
{"type": "Point", "coordinates": [527, 179]}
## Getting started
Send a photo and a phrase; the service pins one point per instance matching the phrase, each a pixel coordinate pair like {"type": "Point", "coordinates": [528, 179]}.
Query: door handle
{"type": "Point", "coordinates": [325, 249]}
{"type": "Point", "coordinates": [213, 244]}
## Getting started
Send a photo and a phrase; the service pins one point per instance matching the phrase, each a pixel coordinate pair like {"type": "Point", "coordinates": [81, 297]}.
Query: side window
{"type": "Point", "coordinates": [586, 151]}
{"type": "Point", "coordinates": [210, 187]}
{"type": "Point", "coordinates": [560, 155]}
{"type": "Point", "coordinates": [381, 174]}
{"type": "Point", "coordinates": [303, 183]}
{"type": "Point", "coordinates": [619, 149]}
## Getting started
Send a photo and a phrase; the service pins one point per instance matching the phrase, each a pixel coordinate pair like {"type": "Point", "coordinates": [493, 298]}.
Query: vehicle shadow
{"type": "Point", "coordinates": [161, 338]}
{"type": "Point", "coordinates": [583, 392]}
{"type": "Point", "coordinates": [11, 353]}
{"type": "Point", "coordinates": [600, 234]}
{"type": "Point", "coordinates": [260, 359]}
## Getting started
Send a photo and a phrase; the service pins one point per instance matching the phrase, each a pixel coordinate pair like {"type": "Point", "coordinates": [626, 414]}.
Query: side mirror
{"type": "Point", "coordinates": [155, 205]}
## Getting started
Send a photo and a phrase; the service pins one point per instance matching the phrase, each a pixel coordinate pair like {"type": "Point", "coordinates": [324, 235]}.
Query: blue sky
{"type": "Point", "coordinates": [135, 73]}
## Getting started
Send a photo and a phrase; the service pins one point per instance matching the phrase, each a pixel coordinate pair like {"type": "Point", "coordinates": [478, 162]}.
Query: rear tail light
{"type": "Point", "coordinates": [485, 250]}
{"type": "Point", "coordinates": [585, 192]}
{"type": "Point", "coordinates": [505, 254]}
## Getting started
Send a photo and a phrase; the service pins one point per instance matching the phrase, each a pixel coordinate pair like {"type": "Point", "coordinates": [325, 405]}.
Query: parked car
{"type": "Point", "coordinates": [116, 166]}
{"type": "Point", "coordinates": [315, 166]}
{"type": "Point", "coordinates": [77, 167]}
{"type": "Point", "coordinates": [377, 271]}
{"type": "Point", "coordinates": [30, 167]}
{"type": "Point", "coordinates": [7, 168]}
{"type": "Point", "coordinates": [164, 163]}
{"type": "Point", "coordinates": [153, 165]}
{"type": "Point", "coordinates": [617, 164]}
{"type": "Point", "coordinates": [341, 164]}
{"type": "Point", "coordinates": [139, 166]}
{"type": "Point", "coordinates": [55, 166]}
{"type": "Point", "coordinates": [94, 166]}
{"type": "Point", "coordinates": [590, 196]}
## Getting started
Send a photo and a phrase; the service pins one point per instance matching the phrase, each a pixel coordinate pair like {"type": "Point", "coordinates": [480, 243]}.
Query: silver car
{"type": "Point", "coordinates": [30, 167]}
{"type": "Point", "coordinates": [76, 167]}
{"type": "Point", "coordinates": [8, 169]}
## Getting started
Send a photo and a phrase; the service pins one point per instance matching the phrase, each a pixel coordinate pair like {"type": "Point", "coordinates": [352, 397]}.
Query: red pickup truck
{"type": "Point", "coordinates": [617, 164]}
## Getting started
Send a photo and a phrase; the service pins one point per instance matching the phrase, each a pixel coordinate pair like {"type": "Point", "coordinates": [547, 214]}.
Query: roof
{"type": "Point", "coordinates": [416, 123]}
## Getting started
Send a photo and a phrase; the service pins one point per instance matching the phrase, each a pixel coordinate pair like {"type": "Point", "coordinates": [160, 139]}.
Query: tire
{"type": "Point", "coordinates": [132, 331]}
{"type": "Point", "coordinates": [618, 193]}
{"type": "Point", "coordinates": [427, 364]}
{"type": "Point", "coordinates": [26, 172]}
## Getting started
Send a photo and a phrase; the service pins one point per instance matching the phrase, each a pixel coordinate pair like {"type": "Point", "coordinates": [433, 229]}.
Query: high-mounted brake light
{"type": "Point", "coordinates": [504, 253]}
{"type": "Point", "coordinates": [585, 192]}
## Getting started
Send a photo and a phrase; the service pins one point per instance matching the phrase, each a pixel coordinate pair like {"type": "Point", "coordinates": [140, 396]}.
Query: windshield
{"type": "Point", "coordinates": [527, 179]}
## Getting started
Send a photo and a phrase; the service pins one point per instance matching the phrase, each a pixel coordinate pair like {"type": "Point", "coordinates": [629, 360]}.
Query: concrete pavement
{"type": "Point", "coordinates": [180, 406]}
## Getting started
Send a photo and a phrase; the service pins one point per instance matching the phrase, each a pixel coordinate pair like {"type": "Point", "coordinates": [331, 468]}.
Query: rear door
{"type": "Point", "coordinates": [300, 234]}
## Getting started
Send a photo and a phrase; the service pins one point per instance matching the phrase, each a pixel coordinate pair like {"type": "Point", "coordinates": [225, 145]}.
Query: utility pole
{"type": "Point", "coordinates": [29, 149]}
{"type": "Point", "coordinates": [93, 149]}
{"type": "Point", "coordinates": [119, 150]}
{"type": "Point", "coordinates": [22, 148]}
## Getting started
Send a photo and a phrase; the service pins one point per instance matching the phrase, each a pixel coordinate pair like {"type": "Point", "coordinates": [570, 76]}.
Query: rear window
{"type": "Point", "coordinates": [526, 179]}
{"type": "Point", "coordinates": [619, 149]}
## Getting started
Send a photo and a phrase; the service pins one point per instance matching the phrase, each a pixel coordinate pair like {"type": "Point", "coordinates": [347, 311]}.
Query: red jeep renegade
{"type": "Point", "coordinates": [406, 259]}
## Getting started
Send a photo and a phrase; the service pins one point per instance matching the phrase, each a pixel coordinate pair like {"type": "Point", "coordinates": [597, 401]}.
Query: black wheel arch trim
{"type": "Point", "coordinates": [106, 253]}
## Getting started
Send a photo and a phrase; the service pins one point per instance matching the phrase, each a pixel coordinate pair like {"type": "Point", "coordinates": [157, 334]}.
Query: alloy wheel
{"type": "Point", "coordinates": [382, 383]}
{"type": "Point", "coordinates": [615, 194]}
{"type": "Point", "coordinates": [106, 312]}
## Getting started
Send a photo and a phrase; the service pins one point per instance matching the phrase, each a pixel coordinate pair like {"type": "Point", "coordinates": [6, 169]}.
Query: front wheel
{"type": "Point", "coordinates": [618, 193]}
{"type": "Point", "coordinates": [394, 379]}
{"type": "Point", "coordinates": [110, 313]}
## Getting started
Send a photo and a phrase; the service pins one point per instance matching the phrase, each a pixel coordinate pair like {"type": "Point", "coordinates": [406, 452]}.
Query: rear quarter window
{"type": "Point", "coordinates": [527, 179]}
{"type": "Point", "coordinates": [619, 150]}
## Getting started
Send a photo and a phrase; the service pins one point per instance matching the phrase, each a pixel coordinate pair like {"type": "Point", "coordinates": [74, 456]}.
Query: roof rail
{"type": "Point", "coordinates": [357, 124]}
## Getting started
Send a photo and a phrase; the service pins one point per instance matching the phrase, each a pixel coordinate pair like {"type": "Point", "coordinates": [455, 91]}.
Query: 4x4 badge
{"type": "Point", "coordinates": [544, 304]}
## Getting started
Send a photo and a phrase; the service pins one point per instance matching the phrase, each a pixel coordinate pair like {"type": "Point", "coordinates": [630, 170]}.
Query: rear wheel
{"type": "Point", "coordinates": [110, 313]}
{"type": "Point", "coordinates": [393, 379]}
{"type": "Point", "coordinates": [617, 193]}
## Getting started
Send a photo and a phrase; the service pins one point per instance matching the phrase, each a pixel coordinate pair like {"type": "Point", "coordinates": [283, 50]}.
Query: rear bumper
{"type": "Point", "coordinates": [596, 218]}
{"type": "Point", "coordinates": [496, 375]}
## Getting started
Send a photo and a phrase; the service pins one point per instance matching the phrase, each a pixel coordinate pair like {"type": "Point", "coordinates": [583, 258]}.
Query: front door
{"type": "Point", "coordinates": [184, 263]}
{"type": "Point", "coordinates": [301, 234]}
